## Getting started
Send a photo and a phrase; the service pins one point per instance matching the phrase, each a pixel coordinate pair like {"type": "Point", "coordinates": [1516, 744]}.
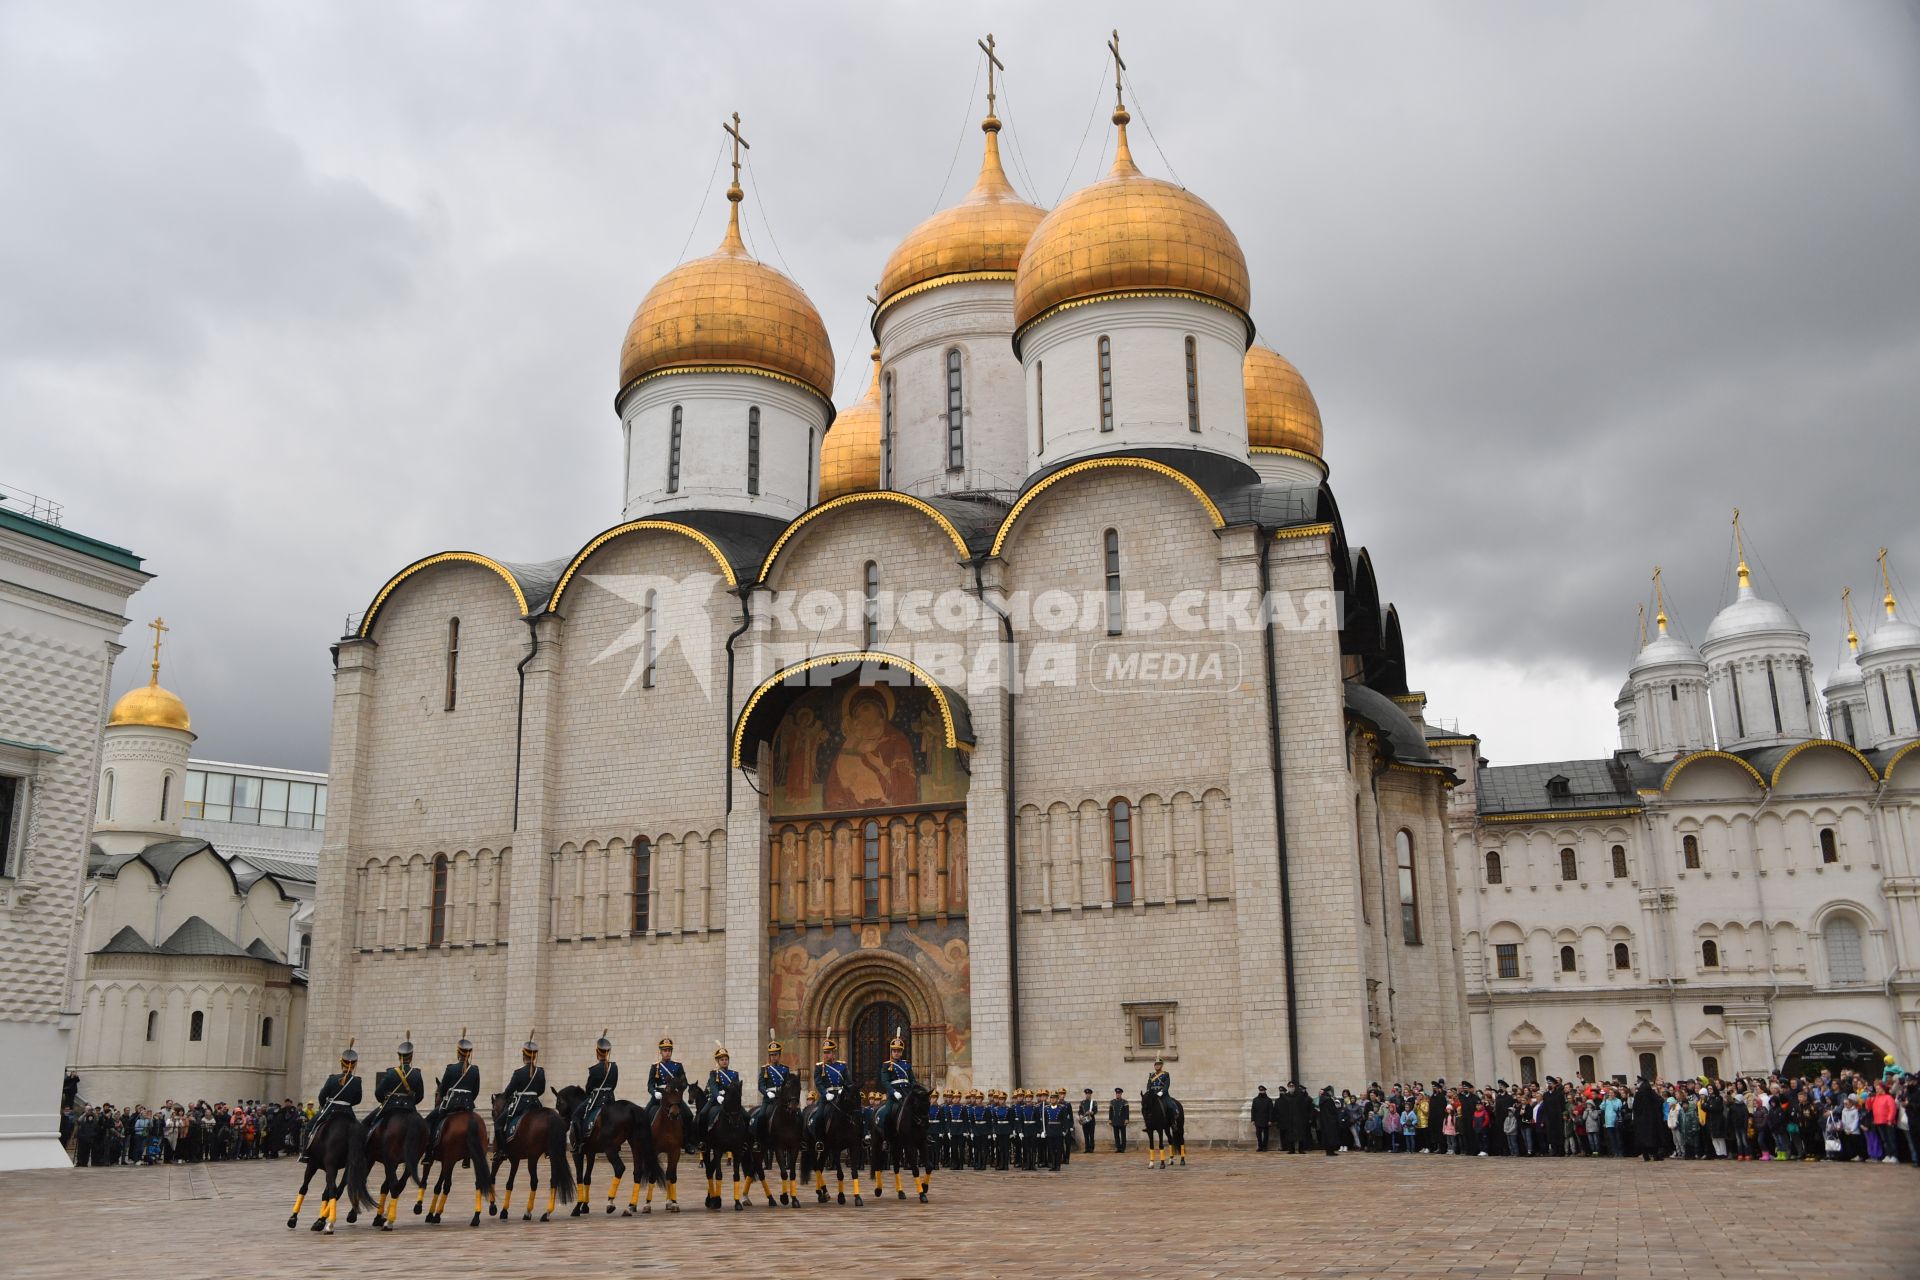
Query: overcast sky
{"type": "Point", "coordinates": [292, 295]}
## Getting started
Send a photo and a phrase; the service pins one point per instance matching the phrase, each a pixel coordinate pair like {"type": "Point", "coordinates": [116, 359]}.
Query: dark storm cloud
{"type": "Point", "coordinates": [290, 296]}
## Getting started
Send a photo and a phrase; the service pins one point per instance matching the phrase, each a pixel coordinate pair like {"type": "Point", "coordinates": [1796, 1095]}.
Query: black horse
{"type": "Point", "coordinates": [1166, 1122]}
{"type": "Point", "coordinates": [335, 1147]}
{"type": "Point", "coordinates": [786, 1137]}
{"type": "Point", "coordinates": [903, 1139]}
{"type": "Point", "coordinates": [840, 1141]}
{"type": "Point", "coordinates": [726, 1133]}
{"type": "Point", "coordinates": [619, 1124]}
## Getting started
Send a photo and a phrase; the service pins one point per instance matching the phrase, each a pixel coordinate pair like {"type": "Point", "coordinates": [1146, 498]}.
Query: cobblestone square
{"type": "Point", "coordinates": [1228, 1213]}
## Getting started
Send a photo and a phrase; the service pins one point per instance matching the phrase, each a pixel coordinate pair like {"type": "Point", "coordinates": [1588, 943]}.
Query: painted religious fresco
{"type": "Point", "coordinates": [855, 748]}
{"type": "Point", "coordinates": [826, 978]}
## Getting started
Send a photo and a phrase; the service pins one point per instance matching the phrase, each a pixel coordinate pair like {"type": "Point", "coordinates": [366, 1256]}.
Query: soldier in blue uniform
{"type": "Point", "coordinates": [773, 1074]}
{"type": "Point", "coordinates": [1003, 1130]}
{"type": "Point", "coordinates": [398, 1088]}
{"type": "Point", "coordinates": [1059, 1129]}
{"type": "Point", "coordinates": [896, 1077]}
{"type": "Point", "coordinates": [937, 1130]}
{"type": "Point", "coordinates": [719, 1080]}
{"type": "Point", "coordinates": [602, 1078]}
{"type": "Point", "coordinates": [829, 1077]}
{"type": "Point", "coordinates": [528, 1082]}
{"type": "Point", "coordinates": [1158, 1080]}
{"type": "Point", "coordinates": [979, 1129]}
{"type": "Point", "coordinates": [338, 1096]}
{"type": "Point", "coordinates": [660, 1076]}
{"type": "Point", "coordinates": [457, 1090]}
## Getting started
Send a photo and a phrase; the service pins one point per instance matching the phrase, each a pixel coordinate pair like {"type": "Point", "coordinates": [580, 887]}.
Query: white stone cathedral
{"type": "Point", "coordinates": [1735, 890]}
{"type": "Point", "coordinates": [956, 712]}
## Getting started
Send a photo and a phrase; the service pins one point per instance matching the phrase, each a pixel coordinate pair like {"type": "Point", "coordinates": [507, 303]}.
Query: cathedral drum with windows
{"type": "Point", "coordinates": [1736, 890]}
{"type": "Point", "coordinates": [809, 741]}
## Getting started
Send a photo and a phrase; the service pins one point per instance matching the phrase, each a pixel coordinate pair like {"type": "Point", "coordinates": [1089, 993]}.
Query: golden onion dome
{"type": "Point", "coordinates": [728, 312]}
{"type": "Point", "coordinates": [1130, 234]}
{"type": "Point", "coordinates": [1281, 412]}
{"type": "Point", "coordinates": [981, 238]}
{"type": "Point", "coordinates": [152, 706]}
{"type": "Point", "coordinates": [850, 453]}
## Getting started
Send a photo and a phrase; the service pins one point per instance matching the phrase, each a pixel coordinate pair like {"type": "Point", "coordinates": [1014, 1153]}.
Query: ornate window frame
{"type": "Point", "coordinates": [1138, 1013]}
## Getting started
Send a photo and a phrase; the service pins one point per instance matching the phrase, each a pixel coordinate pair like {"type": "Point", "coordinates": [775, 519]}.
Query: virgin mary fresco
{"type": "Point", "coordinates": [873, 768]}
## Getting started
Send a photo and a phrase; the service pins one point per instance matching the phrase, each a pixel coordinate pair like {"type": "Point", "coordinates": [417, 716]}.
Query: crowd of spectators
{"type": "Point", "coordinates": [1842, 1116]}
{"type": "Point", "coordinates": [180, 1133]}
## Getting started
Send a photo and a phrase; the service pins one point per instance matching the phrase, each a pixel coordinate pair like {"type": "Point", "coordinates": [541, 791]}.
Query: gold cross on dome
{"type": "Point", "coordinates": [157, 626]}
{"type": "Point", "coordinates": [1119, 65]}
{"type": "Point", "coordinates": [993, 64]}
{"type": "Point", "coordinates": [738, 143]}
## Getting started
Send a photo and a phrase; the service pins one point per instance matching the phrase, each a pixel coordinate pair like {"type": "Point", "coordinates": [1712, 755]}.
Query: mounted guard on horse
{"type": "Point", "coordinates": [1165, 1119]}
{"type": "Point", "coordinates": [456, 1133]}
{"type": "Point", "coordinates": [395, 1135]}
{"type": "Point", "coordinates": [334, 1145]}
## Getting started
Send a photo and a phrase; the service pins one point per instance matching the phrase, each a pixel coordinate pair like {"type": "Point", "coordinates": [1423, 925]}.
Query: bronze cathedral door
{"type": "Point", "coordinates": [873, 1026]}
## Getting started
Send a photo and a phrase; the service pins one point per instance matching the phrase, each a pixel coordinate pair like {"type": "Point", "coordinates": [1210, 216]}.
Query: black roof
{"type": "Point", "coordinates": [1589, 784]}
{"type": "Point", "coordinates": [976, 516]}
{"type": "Point", "coordinates": [1404, 741]}
{"type": "Point", "coordinates": [195, 937]}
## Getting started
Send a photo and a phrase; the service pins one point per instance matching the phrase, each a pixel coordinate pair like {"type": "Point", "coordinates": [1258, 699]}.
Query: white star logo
{"type": "Point", "coordinates": [673, 612]}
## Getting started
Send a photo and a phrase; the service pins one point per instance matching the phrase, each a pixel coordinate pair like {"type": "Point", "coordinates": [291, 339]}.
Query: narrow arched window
{"type": "Point", "coordinates": [197, 1028]}
{"type": "Point", "coordinates": [1710, 1067]}
{"type": "Point", "coordinates": [1569, 865]}
{"type": "Point", "coordinates": [1773, 697]}
{"type": "Point", "coordinates": [810, 450]}
{"type": "Point", "coordinates": [870, 607]}
{"type": "Point", "coordinates": [870, 872]}
{"type": "Point", "coordinates": [1493, 866]}
{"type": "Point", "coordinates": [1193, 387]}
{"type": "Point", "coordinates": [1622, 958]}
{"type": "Point", "coordinates": [306, 951]}
{"type": "Point", "coordinates": [1529, 1071]}
{"type": "Point", "coordinates": [1739, 710]}
{"type": "Point", "coordinates": [642, 884]}
{"type": "Point", "coordinates": [1116, 602]}
{"type": "Point", "coordinates": [1846, 721]}
{"type": "Point", "coordinates": [673, 453]}
{"type": "Point", "coordinates": [453, 662]}
{"type": "Point", "coordinates": [1409, 888]}
{"type": "Point", "coordinates": [1568, 961]}
{"type": "Point", "coordinates": [1619, 862]}
{"type": "Point", "coordinates": [1587, 1068]}
{"type": "Point", "coordinates": [1709, 954]}
{"type": "Point", "coordinates": [1106, 383]}
{"type": "Point", "coordinates": [886, 432]}
{"type": "Point", "coordinates": [626, 456]}
{"type": "Point", "coordinates": [1040, 405]}
{"type": "Point", "coordinates": [266, 1033]}
{"type": "Point", "coordinates": [1649, 1067]}
{"type": "Point", "coordinates": [753, 449]}
{"type": "Point", "coordinates": [437, 918]}
{"type": "Point", "coordinates": [166, 794]}
{"type": "Point", "coordinates": [153, 1025]}
{"type": "Point", "coordinates": [1829, 847]}
{"type": "Point", "coordinates": [650, 638]}
{"type": "Point", "coordinates": [106, 797]}
{"type": "Point", "coordinates": [1120, 829]}
{"type": "Point", "coordinates": [1845, 960]}
{"type": "Point", "coordinates": [1690, 852]}
{"type": "Point", "coordinates": [955, 435]}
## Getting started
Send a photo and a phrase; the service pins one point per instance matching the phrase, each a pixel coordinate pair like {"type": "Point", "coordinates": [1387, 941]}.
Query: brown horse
{"type": "Point", "coordinates": [669, 1139]}
{"type": "Point", "coordinates": [540, 1135]}
{"type": "Point", "coordinates": [618, 1124]}
{"type": "Point", "coordinates": [463, 1139]}
{"type": "Point", "coordinates": [395, 1144]}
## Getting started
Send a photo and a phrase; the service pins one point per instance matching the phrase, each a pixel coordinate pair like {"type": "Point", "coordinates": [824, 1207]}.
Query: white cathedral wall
{"type": "Point", "coordinates": [715, 412]}
{"type": "Point", "coordinates": [1754, 723]}
{"type": "Point", "coordinates": [1149, 379]}
{"type": "Point", "coordinates": [1892, 689]}
{"type": "Point", "coordinates": [143, 760]}
{"type": "Point", "coordinates": [1763, 895]}
{"type": "Point", "coordinates": [976, 319]}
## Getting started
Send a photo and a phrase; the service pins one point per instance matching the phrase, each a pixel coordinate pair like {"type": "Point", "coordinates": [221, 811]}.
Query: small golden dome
{"type": "Point", "coordinates": [1130, 233]}
{"type": "Point", "coordinates": [152, 706]}
{"type": "Point", "coordinates": [1281, 413]}
{"type": "Point", "coordinates": [982, 236]}
{"type": "Point", "coordinates": [850, 454]}
{"type": "Point", "coordinates": [728, 311]}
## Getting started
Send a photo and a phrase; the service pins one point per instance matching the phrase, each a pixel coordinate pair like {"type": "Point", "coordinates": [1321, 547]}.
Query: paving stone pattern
{"type": "Point", "coordinates": [1230, 1213]}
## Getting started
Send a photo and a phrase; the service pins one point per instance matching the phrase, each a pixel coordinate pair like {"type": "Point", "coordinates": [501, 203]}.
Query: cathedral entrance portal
{"type": "Point", "coordinates": [873, 1027]}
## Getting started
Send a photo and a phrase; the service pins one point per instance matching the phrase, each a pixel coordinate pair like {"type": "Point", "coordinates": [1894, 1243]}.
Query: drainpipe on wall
{"type": "Point", "coordinates": [726, 731]}
{"type": "Point", "coordinates": [520, 713]}
{"type": "Point", "coordinates": [1012, 818]}
{"type": "Point", "coordinates": [1263, 538]}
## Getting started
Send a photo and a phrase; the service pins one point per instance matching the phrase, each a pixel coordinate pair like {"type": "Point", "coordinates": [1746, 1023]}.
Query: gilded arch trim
{"type": "Point", "coordinates": [1093, 464]}
{"type": "Point", "coordinates": [868, 495]}
{"type": "Point", "coordinates": [637, 526]}
{"type": "Point", "coordinates": [1673, 774]}
{"type": "Point", "coordinates": [1897, 757]}
{"type": "Point", "coordinates": [445, 557]}
{"type": "Point", "coordinates": [859, 656]}
{"type": "Point", "coordinates": [1865, 763]}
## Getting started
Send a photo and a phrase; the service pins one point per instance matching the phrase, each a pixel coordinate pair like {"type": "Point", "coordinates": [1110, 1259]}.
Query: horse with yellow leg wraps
{"type": "Point", "coordinates": [396, 1135]}
{"type": "Point", "coordinates": [456, 1134]}
{"type": "Point", "coordinates": [335, 1148]}
{"type": "Point", "coordinates": [525, 1130]}
{"type": "Point", "coordinates": [618, 1124]}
